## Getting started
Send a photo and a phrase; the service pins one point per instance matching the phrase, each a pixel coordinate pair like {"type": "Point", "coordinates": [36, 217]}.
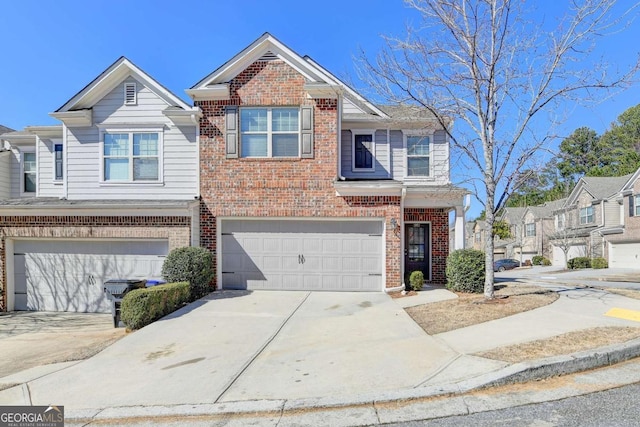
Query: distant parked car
{"type": "Point", "coordinates": [505, 264]}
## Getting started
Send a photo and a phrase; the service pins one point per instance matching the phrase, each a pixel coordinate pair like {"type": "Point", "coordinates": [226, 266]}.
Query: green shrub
{"type": "Point", "coordinates": [416, 280]}
{"type": "Point", "coordinates": [537, 259]}
{"type": "Point", "coordinates": [546, 261]}
{"type": "Point", "coordinates": [579, 262]}
{"type": "Point", "coordinates": [141, 307]}
{"type": "Point", "coordinates": [465, 270]}
{"type": "Point", "coordinates": [190, 264]}
{"type": "Point", "coordinates": [599, 263]}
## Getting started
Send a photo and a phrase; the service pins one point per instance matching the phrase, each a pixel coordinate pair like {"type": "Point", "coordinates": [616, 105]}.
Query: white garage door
{"type": "Point", "coordinates": [302, 255]}
{"type": "Point", "coordinates": [67, 275]}
{"type": "Point", "coordinates": [624, 255]}
{"type": "Point", "coordinates": [574, 251]}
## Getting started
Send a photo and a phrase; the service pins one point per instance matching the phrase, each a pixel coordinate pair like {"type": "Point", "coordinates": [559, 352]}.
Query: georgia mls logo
{"type": "Point", "coordinates": [32, 416]}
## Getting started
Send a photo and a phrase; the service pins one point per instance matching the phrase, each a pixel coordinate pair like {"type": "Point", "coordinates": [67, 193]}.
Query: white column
{"type": "Point", "coordinates": [459, 228]}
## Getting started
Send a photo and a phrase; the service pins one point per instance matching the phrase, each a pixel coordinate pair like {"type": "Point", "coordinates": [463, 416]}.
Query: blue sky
{"type": "Point", "coordinates": [51, 50]}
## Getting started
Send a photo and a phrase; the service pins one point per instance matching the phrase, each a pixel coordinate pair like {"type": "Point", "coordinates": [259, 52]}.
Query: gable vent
{"type": "Point", "coordinates": [130, 94]}
{"type": "Point", "coordinates": [268, 56]}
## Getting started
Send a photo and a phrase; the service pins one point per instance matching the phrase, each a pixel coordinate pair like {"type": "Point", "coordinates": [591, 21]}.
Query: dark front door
{"type": "Point", "coordinates": [417, 249]}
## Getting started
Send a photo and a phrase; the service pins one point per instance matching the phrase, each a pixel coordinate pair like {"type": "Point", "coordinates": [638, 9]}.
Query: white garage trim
{"type": "Point", "coordinates": [220, 245]}
{"type": "Point", "coordinates": [68, 274]}
{"type": "Point", "coordinates": [624, 255]}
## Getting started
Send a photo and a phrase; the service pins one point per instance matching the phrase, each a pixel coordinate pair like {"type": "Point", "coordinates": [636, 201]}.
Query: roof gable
{"type": "Point", "coordinates": [115, 74]}
{"type": "Point", "coordinates": [628, 186]}
{"type": "Point", "coordinates": [267, 48]}
{"type": "Point", "coordinates": [598, 187]}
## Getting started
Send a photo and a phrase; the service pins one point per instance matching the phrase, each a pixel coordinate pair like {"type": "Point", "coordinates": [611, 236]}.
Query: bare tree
{"type": "Point", "coordinates": [486, 64]}
{"type": "Point", "coordinates": [566, 235]}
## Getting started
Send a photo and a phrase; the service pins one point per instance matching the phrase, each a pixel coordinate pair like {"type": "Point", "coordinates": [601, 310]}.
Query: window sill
{"type": "Point", "coordinates": [270, 159]}
{"type": "Point", "coordinates": [419, 178]}
{"type": "Point", "coordinates": [57, 182]}
{"type": "Point", "coordinates": [363, 170]}
{"type": "Point", "coordinates": [131, 184]}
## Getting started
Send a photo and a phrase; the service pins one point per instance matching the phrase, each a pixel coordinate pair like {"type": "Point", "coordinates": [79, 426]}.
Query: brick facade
{"type": "Point", "coordinates": [177, 229]}
{"type": "Point", "coordinates": [439, 219]}
{"type": "Point", "coordinates": [281, 188]}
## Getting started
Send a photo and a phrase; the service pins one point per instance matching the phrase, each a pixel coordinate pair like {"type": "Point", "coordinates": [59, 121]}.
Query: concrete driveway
{"type": "Point", "coordinates": [236, 345]}
{"type": "Point", "coordinates": [37, 339]}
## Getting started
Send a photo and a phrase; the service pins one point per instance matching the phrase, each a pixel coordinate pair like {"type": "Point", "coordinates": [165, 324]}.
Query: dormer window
{"type": "Point", "coordinates": [130, 94]}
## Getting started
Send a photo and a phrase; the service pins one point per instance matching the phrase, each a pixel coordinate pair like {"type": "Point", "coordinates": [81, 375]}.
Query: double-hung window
{"type": "Point", "coordinates": [560, 221]}
{"type": "Point", "coordinates": [131, 156]}
{"type": "Point", "coordinates": [418, 153]}
{"type": "Point", "coordinates": [586, 215]}
{"type": "Point", "coordinates": [530, 229]}
{"type": "Point", "coordinates": [270, 132]}
{"type": "Point", "coordinates": [29, 172]}
{"type": "Point", "coordinates": [636, 209]}
{"type": "Point", "coordinates": [57, 162]}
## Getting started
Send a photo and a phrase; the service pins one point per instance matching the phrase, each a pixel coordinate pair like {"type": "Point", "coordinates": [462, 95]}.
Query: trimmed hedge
{"type": "Point", "coordinates": [579, 262]}
{"type": "Point", "coordinates": [416, 280]}
{"type": "Point", "coordinates": [141, 307]}
{"type": "Point", "coordinates": [546, 261]}
{"type": "Point", "coordinates": [190, 264]}
{"type": "Point", "coordinates": [465, 270]}
{"type": "Point", "coordinates": [599, 263]}
{"type": "Point", "coordinates": [537, 259]}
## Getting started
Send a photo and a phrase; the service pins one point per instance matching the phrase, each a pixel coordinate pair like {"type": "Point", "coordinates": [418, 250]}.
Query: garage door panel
{"type": "Point", "coordinates": [309, 255]}
{"type": "Point", "coordinates": [625, 255]}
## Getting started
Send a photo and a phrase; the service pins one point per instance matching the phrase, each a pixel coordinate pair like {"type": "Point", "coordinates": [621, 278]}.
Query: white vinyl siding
{"type": "Point", "coordinates": [611, 214]}
{"type": "Point", "coordinates": [16, 180]}
{"type": "Point", "coordinates": [5, 175]}
{"type": "Point", "coordinates": [47, 184]}
{"type": "Point", "coordinates": [179, 167]}
{"type": "Point", "coordinates": [439, 157]}
{"type": "Point", "coordinates": [381, 160]}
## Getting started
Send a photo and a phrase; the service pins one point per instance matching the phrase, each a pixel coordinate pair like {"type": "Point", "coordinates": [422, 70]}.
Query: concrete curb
{"type": "Point", "coordinates": [517, 373]}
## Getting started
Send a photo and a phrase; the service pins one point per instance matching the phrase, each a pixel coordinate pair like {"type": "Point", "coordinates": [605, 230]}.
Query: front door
{"type": "Point", "coordinates": [417, 250]}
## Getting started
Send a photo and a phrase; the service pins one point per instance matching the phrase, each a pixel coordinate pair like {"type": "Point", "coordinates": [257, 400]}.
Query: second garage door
{"type": "Point", "coordinates": [302, 255]}
{"type": "Point", "coordinates": [573, 252]}
{"type": "Point", "coordinates": [624, 255]}
{"type": "Point", "coordinates": [68, 275]}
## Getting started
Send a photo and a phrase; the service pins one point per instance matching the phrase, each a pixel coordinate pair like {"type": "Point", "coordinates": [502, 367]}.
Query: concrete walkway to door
{"type": "Point", "coordinates": [234, 346]}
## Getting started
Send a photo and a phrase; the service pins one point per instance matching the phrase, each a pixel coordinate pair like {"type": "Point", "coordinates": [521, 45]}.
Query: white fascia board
{"type": "Point", "coordinates": [45, 131]}
{"type": "Point", "coordinates": [213, 92]}
{"type": "Point", "coordinates": [368, 188]}
{"type": "Point", "coordinates": [75, 118]}
{"type": "Point", "coordinates": [246, 57]}
{"type": "Point", "coordinates": [629, 184]}
{"type": "Point", "coordinates": [106, 210]}
{"type": "Point", "coordinates": [322, 90]}
{"type": "Point", "coordinates": [184, 117]}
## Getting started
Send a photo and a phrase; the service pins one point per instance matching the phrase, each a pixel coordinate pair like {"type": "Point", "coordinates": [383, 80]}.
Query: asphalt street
{"type": "Point", "coordinates": [617, 407]}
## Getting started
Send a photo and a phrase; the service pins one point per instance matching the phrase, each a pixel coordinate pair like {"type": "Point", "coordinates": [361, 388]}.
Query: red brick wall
{"type": "Point", "coordinates": [177, 229]}
{"type": "Point", "coordinates": [439, 219]}
{"type": "Point", "coordinates": [280, 187]}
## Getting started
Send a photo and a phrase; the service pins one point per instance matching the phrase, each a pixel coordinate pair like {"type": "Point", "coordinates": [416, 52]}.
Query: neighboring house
{"type": "Point", "coordinates": [307, 185]}
{"type": "Point", "coordinates": [591, 216]}
{"type": "Point", "coordinates": [105, 194]}
{"type": "Point", "coordinates": [469, 234]}
{"type": "Point", "coordinates": [513, 246]}
{"type": "Point", "coordinates": [622, 244]}
{"type": "Point", "coordinates": [478, 235]}
{"type": "Point", "coordinates": [538, 223]}
{"type": "Point", "coordinates": [292, 179]}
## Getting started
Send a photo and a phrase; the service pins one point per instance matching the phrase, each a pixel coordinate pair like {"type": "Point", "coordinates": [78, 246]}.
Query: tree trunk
{"type": "Point", "coordinates": [489, 243]}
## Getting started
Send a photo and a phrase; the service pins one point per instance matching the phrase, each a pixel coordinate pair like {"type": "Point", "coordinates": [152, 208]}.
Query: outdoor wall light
{"type": "Point", "coordinates": [394, 223]}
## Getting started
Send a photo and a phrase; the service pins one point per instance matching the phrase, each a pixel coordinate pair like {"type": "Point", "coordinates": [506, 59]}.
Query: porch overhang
{"type": "Point", "coordinates": [415, 195]}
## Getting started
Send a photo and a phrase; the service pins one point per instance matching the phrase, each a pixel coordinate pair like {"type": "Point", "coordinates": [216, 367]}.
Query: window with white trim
{"type": "Point", "coordinates": [530, 229]}
{"type": "Point", "coordinates": [478, 237]}
{"type": "Point", "coordinates": [131, 156]}
{"type": "Point", "coordinates": [560, 219]}
{"type": "Point", "coordinates": [637, 205]}
{"type": "Point", "coordinates": [269, 132]}
{"type": "Point", "coordinates": [57, 162]}
{"type": "Point", "coordinates": [586, 215]}
{"type": "Point", "coordinates": [418, 155]}
{"type": "Point", "coordinates": [130, 94]}
{"type": "Point", "coordinates": [363, 150]}
{"type": "Point", "coordinates": [29, 182]}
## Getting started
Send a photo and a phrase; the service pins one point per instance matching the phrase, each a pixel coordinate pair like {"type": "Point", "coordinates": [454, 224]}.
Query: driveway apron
{"type": "Point", "coordinates": [254, 345]}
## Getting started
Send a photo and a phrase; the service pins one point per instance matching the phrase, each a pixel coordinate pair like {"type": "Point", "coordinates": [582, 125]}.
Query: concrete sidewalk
{"type": "Point", "coordinates": [288, 351]}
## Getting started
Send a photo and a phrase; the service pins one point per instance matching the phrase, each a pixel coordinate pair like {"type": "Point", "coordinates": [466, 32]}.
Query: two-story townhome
{"type": "Point", "coordinates": [104, 194]}
{"type": "Point", "coordinates": [288, 176]}
{"type": "Point", "coordinates": [305, 184]}
{"type": "Point", "coordinates": [622, 242]}
{"type": "Point", "coordinates": [512, 246]}
{"type": "Point", "coordinates": [477, 234]}
{"type": "Point", "coordinates": [593, 211]}
{"type": "Point", "coordinates": [537, 224]}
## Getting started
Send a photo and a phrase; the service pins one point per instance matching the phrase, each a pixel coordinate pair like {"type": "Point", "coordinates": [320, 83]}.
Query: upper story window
{"type": "Point", "coordinates": [478, 237]}
{"type": "Point", "coordinates": [29, 172]}
{"type": "Point", "coordinates": [637, 205]}
{"type": "Point", "coordinates": [560, 219]}
{"type": "Point", "coordinates": [363, 150]}
{"type": "Point", "coordinates": [418, 155]}
{"type": "Point", "coordinates": [270, 132]}
{"type": "Point", "coordinates": [57, 162]}
{"type": "Point", "coordinates": [131, 156]}
{"type": "Point", "coordinates": [586, 215]}
{"type": "Point", "coordinates": [530, 229]}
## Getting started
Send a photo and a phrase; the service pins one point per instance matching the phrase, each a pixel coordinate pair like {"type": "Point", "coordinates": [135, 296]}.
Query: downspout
{"type": "Point", "coordinates": [403, 194]}
{"type": "Point", "coordinates": [339, 127]}
{"type": "Point", "coordinates": [65, 162]}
